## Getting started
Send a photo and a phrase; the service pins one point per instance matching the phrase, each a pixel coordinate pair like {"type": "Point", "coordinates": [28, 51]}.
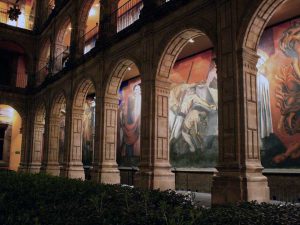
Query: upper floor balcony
{"type": "Point", "coordinates": [119, 17]}
{"type": "Point", "coordinates": [25, 12]}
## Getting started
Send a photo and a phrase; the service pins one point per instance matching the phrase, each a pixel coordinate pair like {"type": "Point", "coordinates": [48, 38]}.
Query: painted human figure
{"type": "Point", "coordinates": [131, 127]}
{"type": "Point", "coordinates": [288, 92]}
{"type": "Point", "coordinates": [186, 117]}
{"type": "Point", "coordinates": [265, 125]}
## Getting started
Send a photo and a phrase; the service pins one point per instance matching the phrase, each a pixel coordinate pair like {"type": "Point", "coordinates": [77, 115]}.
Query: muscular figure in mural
{"type": "Point", "coordinates": [288, 91]}
{"type": "Point", "coordinates": [188, 121]}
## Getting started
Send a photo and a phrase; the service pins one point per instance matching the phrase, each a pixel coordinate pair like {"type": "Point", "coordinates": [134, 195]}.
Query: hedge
{"type": "Point", "coordinates": [41, 200]}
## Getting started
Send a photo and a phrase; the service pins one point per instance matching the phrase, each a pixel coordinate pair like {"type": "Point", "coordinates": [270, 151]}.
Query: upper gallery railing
{"type": "Point", "coordinates": [128, 13]}
{"type": "Point", "coordinates": [90, 38]}
{"type": "Point", "coordinates": [24, 21]}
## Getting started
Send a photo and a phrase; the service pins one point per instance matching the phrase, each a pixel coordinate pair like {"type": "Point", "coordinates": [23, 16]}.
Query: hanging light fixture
{"type": "Point", "coordinates": [14, 12]}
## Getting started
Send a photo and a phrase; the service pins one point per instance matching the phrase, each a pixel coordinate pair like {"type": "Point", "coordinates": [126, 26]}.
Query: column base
{"type": "Point", "coordinates": [233, 187]}
{"type": "Point", "coordinates": [22, 168]}
{"type": "Point", "coordinates": [106, 174]}
{"type": "Point", "coordinates": [159, 178]}
{"type": "Point", "coordinates": [53, 169]}
{"type": "Point", "coordinates": [73, 172]}
{"type": "Point", "coordinates": [34, 168]}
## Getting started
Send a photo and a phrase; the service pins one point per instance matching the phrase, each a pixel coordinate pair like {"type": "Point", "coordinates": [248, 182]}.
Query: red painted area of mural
{"type": "Point", "coordinates": [280, 49]}
{"type": "Point", "coordinates": [193, 69]}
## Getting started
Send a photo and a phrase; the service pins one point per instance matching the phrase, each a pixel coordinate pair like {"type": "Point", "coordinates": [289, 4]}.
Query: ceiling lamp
{"type": "Point", "coordinates": [14, 12]}
{"type": "Point", "coordinates": [191, 40]}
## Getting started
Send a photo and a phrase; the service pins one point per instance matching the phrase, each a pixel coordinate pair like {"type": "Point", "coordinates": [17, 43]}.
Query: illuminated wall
{"type": "Point", "coordinates": [193, 116]}
{"type": "Point", "coordinates": [129, 123]}
{"type": "Point", "coordinates": [193, 121]}
{"type": "Point", "coordinates": [279, 95]}
{"type": "Point", "coordinates": [25, 20]}
{"type": "Point", "coordinates": [9, 116]}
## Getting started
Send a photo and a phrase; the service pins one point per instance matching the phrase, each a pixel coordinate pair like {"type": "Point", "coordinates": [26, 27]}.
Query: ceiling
{"type": "Point", "coordinates": [201, 44]}
{"type": "Point", "coordinates": [288, 10]}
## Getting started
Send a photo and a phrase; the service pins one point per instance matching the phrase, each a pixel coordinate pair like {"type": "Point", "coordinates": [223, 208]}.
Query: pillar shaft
{"type": "Point", "coordinates": [105, 168]}
{"type": "Point", "coordinates": [239, 176]}
{"type": "Point", "coordinates": [155, 169]}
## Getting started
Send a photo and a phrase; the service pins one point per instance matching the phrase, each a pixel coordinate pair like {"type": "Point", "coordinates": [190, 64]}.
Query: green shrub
{"type": "Point", "coordinates": [41, 199]}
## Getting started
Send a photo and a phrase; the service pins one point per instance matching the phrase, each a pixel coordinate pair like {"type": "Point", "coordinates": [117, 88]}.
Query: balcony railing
{"type": "Point", "coordinates": [61, 60]}
{"type": "Point", "coordinates": [52, 67]}
{"type": "Point", "coordinates": [90, 38]}
{"type": "Point", "coordinates": [24, 21]}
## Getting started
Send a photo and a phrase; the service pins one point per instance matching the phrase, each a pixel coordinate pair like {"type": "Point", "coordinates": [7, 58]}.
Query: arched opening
{"type": "Point", "coordinates": [38, 144]}
{"type": "Point", "coordinates": [25, 19]}
{"type": "Point", "coordinates": [56, 145]}
{"type": "Point", "coordinates": [128, 86]}
{"type": "Point", "coordinates": [44, 62]}
{"type": "Point", "coordinates": [187, 111]}
{"type": "Point", "coordinates": [128, 12]}
{"type": "Point", "coordinates": [10, 138]}
{"type": "Point", "coordinates": [92, 26]}
{"type": "Point", "coordinates": [277, 44]}
{"type": "Point", "coordinates": [13, 65]}
{"type": "Point", "coordinates": [83, 130]}
{"type": "Point", "coordinates": [62, 46]}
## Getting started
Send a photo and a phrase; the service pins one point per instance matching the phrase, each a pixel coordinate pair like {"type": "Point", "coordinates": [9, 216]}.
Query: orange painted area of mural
{"type": "Point", "coordinates": [193, 69]}
{"type": "Point", "coordinates": [277, 65]}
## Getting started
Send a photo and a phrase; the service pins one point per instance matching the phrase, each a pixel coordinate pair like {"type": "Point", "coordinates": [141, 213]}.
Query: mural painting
{"type": "Point", "coordinates": [129, 123]}
{"type": "Point", "coordinates": [193, 116]}
{"type": "Point", "coordinates": [278, 92]}
{"type": "Point", "coordinates": [88, 134]}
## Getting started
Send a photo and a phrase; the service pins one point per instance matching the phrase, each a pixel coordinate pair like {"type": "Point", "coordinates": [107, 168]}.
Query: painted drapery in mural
{"type": "Point", "coordinates": [129, 123]}
{"type": "Point", "coordinates": [278, 93]}
{"type": "Point", "coordinates": [193, 116]}
{"type": "Point", "coordinates": [88, 134]}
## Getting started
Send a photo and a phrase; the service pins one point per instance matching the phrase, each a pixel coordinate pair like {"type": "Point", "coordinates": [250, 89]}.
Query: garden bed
{"type": "Point", "coordinates": [41, 199]}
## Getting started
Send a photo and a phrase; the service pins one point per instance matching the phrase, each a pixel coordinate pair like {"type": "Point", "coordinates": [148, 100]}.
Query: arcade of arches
{"type": "Point", "coordinates": [187, 95]}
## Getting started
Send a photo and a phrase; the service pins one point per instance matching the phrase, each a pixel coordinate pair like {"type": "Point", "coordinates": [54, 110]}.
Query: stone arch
{"type": "Point", "coordinates": [83, 86]}
{"type": "Point", "coordinates": [84, 12]}
{"type": "Point", "coordinates": [38, 137]}
{"type": "Point", "coordinates": [256, 21]}
{"type": "Point", "coordinates": [62, 50]}
{"type": "Point", "coordinates": [43, 55]}
{"type": "Point", "coordinates": [16, 104]}
{"type": "Point", "coordinates": [115, 78]}
{"type": "Point", "coordinates": [58, 105]}
{"type": "Point", "coordinates": [14, 123]}
{"type": "Point", "coordinates": [75, 168]}
{"type": "Point", "coordinates": [62, 30]}
{"type": "Point", "coordinates": [156, 110]}
{"type": "Point", "coordinates": [174, 46]}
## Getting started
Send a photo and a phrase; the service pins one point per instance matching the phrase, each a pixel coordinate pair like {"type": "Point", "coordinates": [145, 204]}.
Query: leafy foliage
{"type": "Point", "coordinates": [41, 199]}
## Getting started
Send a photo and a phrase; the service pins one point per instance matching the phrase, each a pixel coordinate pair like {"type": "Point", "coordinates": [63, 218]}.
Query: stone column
{"type": "Point", "coordinates": [77, 38]}
{"type": "Point", "coordinates": [37, 148]}
{"type": "Point", "coordinates": [105, 168]}
{"type": "Point", "coordinates": [155, 169]}
{"type": "Point", "coordinates": [108, 19]}
{"type": "Point", "coordinates": [73, 167]}
{"type": "Point", "coordinates": [239, 176]}
{"type": "Point", "coordinates": [52, 164]}
{"type": "Point", "coordinates": [27, 137]}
